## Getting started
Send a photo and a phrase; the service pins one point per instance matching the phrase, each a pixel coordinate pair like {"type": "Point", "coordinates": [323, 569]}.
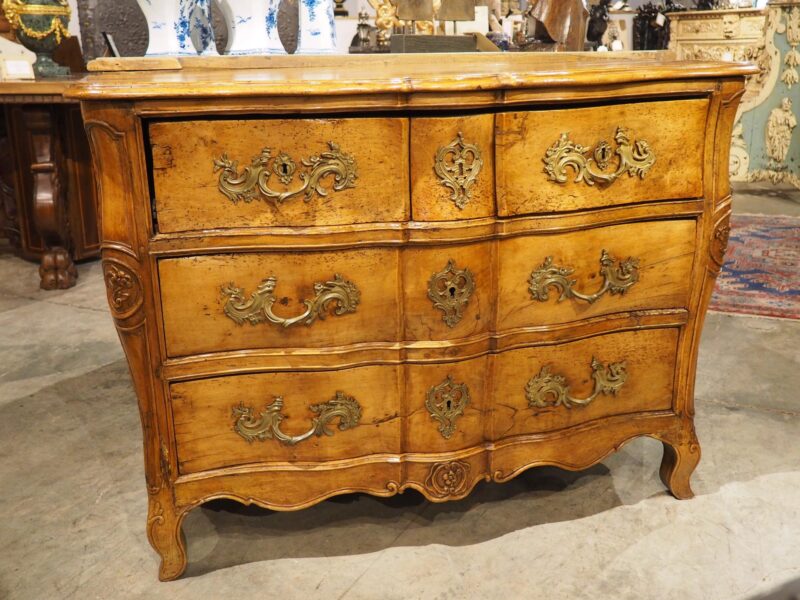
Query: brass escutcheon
{"type": "Point", "coordinates": [450, 291]}
{"type": "Point", "coordinates": [446, 402]}
{"type": "Point", "coordinates": [457, 166]}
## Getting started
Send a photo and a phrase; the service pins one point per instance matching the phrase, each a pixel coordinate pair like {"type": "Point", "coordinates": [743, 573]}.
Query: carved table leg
{"type": "Point", "coordinates": [166, 538]}
{"type": "Point", "coordinates": [57, 269]}
{"type": "Point", "coordinates": [679, 462]}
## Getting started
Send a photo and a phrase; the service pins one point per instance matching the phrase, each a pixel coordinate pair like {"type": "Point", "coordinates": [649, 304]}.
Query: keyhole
{"type": "Point", "coordinates": [284, 169]}
{"type": "Point", "coordinates": [452, 291]}
{"type": "Point", "coordinates": [449, 404]}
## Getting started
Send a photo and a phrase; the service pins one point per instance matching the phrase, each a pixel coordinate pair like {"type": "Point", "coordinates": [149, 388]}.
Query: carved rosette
{"type": "Point", "coordinates": [448, 479]}
{"type": "Point", "coordinates": [719, 243]}
{"type": "Point", "coordinates": [123, 288]}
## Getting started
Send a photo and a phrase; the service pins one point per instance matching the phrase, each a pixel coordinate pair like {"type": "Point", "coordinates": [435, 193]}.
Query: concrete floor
{"type": "Point", "coordinates": [72, 494]}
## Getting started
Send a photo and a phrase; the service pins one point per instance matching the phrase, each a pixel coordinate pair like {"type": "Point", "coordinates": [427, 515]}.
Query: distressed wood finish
{"type": "Point", "coordinates": [674, 130]}
{"type": "Point", "coordinates": [548, 382]}
{"type": "Point", "coordinates": [186, 188]}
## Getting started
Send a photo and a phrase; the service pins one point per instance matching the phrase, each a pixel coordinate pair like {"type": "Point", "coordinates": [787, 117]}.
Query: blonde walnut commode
{"type": "Point", "coordinates": [423, 277]}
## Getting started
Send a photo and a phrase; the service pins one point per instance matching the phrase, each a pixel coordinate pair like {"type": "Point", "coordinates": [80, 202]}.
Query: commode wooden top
{"type": "Point", "coordinates": [287, 76]}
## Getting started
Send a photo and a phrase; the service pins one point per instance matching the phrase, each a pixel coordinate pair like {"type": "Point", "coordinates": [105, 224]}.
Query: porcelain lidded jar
{"type": "Point", "coordinates": [168, 23]}
{"type": "Point", "coordinates": [317, 33]}
{"type": "Point", "coordinates": [252, 26]}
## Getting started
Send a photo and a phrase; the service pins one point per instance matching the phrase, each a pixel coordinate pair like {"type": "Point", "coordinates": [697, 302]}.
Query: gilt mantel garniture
{"type": "Point", "coordinates": [412, 274]}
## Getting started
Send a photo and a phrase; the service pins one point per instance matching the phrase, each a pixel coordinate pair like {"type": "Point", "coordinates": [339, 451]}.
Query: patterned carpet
{"type": "Point", "coordinates": [761, 275]}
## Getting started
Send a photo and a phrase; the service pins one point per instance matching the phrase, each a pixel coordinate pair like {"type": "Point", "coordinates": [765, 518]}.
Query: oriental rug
{"type": "Point", "coordinates": [761, 274]}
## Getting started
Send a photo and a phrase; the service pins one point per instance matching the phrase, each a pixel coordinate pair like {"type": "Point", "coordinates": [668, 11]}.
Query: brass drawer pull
{"type": "Point", "coordinates": [258, 308]}
{"type": "Point", "coordinates": [266, 426]}
{"type": "Point", "coordinates": [446, 402]}
{"type": "Point", "coordinates": [548, 389]}
{"type": "Point", "coordinates": [635, 158]}
{"type": "Point", "coordinates": [618, 276]}
{"type": "Point", "coordinates": [450, 291]}
{"type": "Point", "coordinates": [253, 182]}
{"type": "Point", "coordinates": [457, 165]}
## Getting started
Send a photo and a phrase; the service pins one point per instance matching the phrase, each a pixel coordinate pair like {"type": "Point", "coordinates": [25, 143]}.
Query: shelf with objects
{"type": "Point", "coordinates": [48, 209]}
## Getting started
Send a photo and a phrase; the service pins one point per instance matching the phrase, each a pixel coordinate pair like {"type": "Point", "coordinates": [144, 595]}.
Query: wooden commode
{"type": "Point", "coordinates": [375, 273]}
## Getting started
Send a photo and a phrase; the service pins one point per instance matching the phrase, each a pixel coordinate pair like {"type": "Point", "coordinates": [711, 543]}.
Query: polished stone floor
{"type": "Point", "coordinates": [72, 494]}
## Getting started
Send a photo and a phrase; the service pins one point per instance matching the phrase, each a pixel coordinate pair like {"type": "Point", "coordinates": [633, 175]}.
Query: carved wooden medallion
{"type": "Point", "coordinates": [122, 287]}
{"type": "Point", "coordinates": [448, 479]}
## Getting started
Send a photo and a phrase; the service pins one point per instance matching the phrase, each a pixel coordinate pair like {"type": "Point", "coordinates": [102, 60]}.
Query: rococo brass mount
{"type": "Point", "coordinates": [635, 158]}
{"type": "Point", "coordinates": [446, 402]}
{"type": "Point", "coordinates": [548, 389]}
{"type": "Point", "coordinates": [253, 182]}
{"type": "Point", "coordinates": [458, 165]}
{"type": "Point", "coordinates": [450, 291]}
{"type": "Point", "coordinates": [616, 279]}
{"type": "Point", "coordinates": [267, 425]}
{"type": "Point", "coordinates": [258, 308]}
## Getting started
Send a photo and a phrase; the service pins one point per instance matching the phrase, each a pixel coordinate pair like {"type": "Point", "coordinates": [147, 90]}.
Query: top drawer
{"type": "Point", "coordinates": [582, 158]}
{"type": "Point", "coordinates": [279, 172]}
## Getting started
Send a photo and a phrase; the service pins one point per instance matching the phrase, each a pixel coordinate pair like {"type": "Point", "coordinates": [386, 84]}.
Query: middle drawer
{"type": "Point", "coordinates": [228, 302]}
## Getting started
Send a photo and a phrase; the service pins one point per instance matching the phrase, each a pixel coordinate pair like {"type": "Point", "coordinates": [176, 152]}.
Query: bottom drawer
{"type": "Point", "coordinates": [554, 387]}
{"type": "Point", "coordinates": [240, 419]}
{"type": "Point", "coordinates": [420, 408]}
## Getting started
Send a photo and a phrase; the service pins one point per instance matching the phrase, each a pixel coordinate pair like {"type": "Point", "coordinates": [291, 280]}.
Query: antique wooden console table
{"type": "Point", "coordinates": [48, 208]}
{"type": "Point", "coordinates": [383, 273]}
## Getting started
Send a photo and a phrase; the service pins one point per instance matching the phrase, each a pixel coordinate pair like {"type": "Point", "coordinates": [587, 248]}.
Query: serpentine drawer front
{"type": "Point", "coordinates": [250, 173]}
{"type": "Point", "coordinates": [407, 273]}
{"type": "Point", "coordinates": [576, 158]}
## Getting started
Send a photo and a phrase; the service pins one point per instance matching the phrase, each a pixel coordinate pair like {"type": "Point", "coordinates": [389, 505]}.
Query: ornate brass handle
{"type": "Point", "coordinates": [635, 158]}
{"type": "Point", "coordinates": [457, 166]}
{"type": "Point", "coordinates": [258, 308]}
{"type": "Point", "coordinates": [548, 389]}
{"type": "Point", "coordinates": [253, 182]}
{"type": "Point", "coordinates": [266, 426]}
{"type": "Point", "coordinates": [618, 276]}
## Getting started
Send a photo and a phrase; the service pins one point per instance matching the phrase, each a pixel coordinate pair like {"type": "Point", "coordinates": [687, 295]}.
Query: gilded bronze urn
{"type": "Point", "coordinates": [40, 25]}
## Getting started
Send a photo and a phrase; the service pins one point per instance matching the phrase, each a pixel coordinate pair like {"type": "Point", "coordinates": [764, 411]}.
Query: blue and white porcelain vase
{"type": "Point", "coordinates": [317, 33]}
{"type": "Point", "coordinates": [202, 29]}
{"type": "Point", "coordinates": [168, 26]}
{"type": "Point", "coordinates": [252, 26]}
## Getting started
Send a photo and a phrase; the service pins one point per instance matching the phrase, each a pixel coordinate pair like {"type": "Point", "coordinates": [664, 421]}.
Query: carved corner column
{"type": "Point", "coordinates": [114, 138]}
{"type": "Point", "coordinates": [48, 171]}
{"type": "Point", "coordinates": [681, 447]}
